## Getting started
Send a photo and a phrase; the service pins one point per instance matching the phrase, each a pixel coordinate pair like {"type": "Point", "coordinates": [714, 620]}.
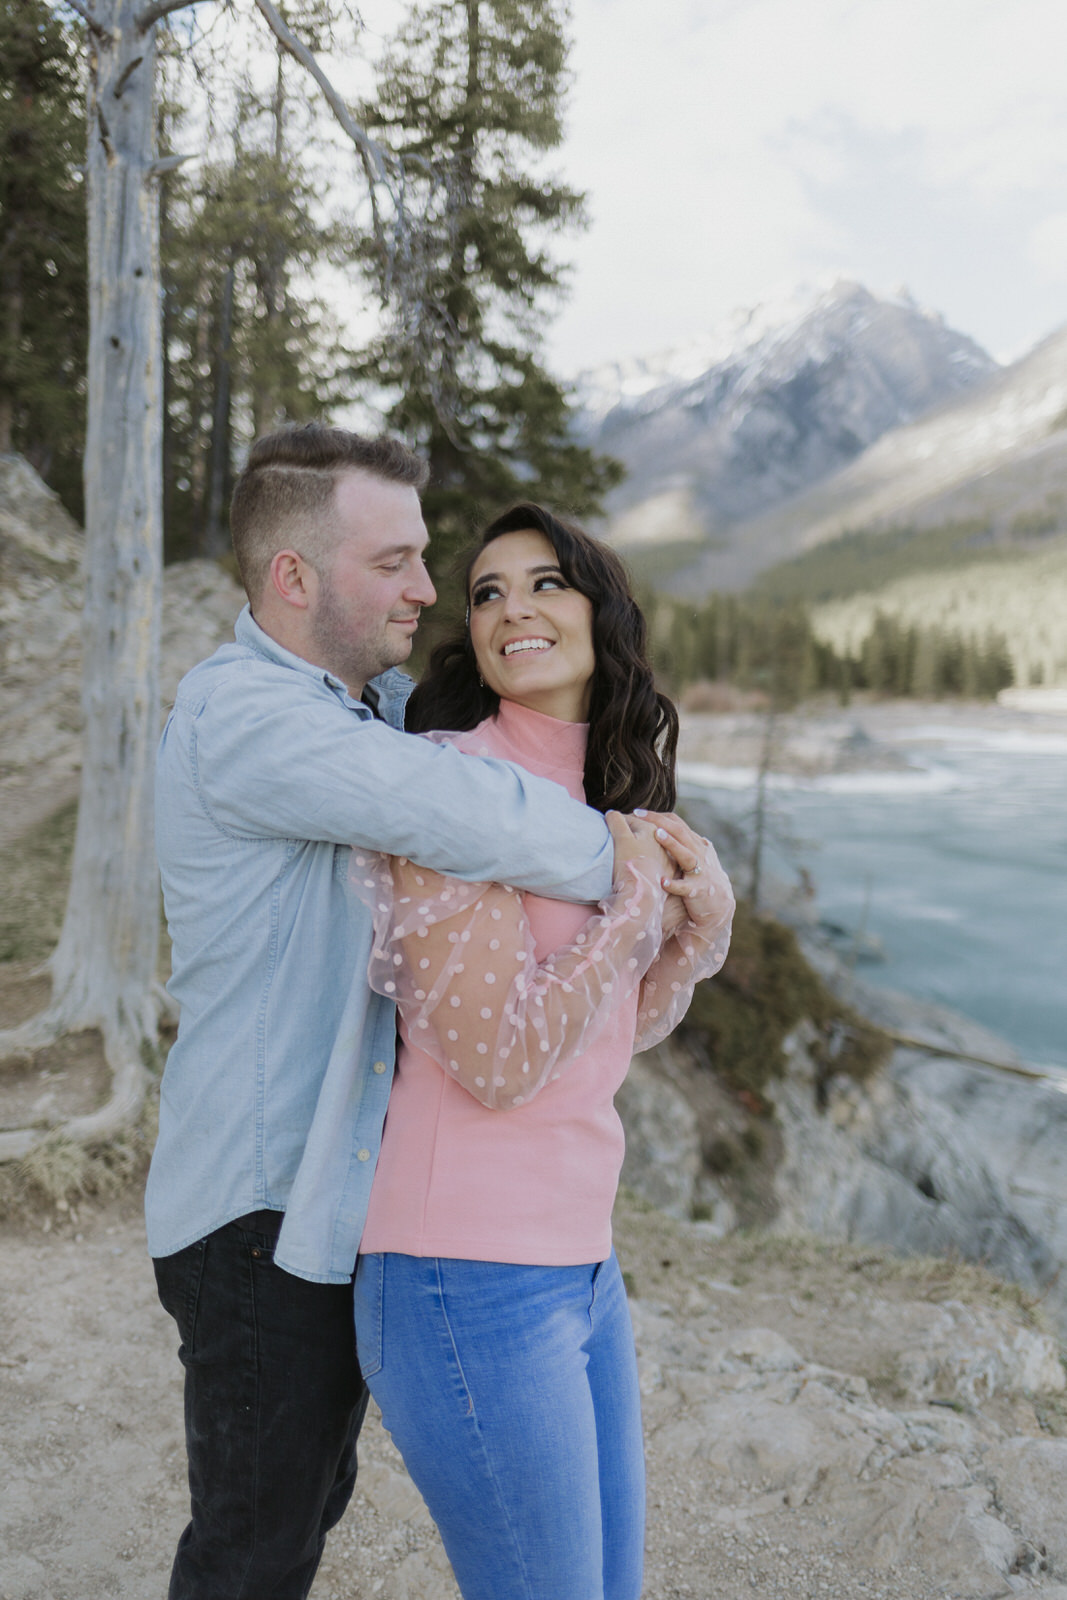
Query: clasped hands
{"type": "Point", "coordinates": [698, 889]}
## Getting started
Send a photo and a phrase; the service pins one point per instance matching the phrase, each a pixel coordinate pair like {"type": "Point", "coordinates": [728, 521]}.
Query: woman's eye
{"type": "Point", "coordinates": [490, 592]}
{"type": "Point", "coordinates": [550, 582]}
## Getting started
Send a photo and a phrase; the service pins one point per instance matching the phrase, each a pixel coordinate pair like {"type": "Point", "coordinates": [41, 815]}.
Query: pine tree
{"type": "Point", "coordinates": [245, 350]}
{"type": "Point", "coordinates": [470, 95]}
{"type": "Point", "coordinates": [43, 293]}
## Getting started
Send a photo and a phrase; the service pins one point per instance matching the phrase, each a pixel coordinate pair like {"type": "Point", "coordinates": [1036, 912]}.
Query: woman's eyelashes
{"type": "Point", "coordinates": [493, 591]}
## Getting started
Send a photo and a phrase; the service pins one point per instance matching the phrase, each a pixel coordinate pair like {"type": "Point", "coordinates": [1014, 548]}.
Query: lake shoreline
{"type": "Point", "coordinates": [822, 739]}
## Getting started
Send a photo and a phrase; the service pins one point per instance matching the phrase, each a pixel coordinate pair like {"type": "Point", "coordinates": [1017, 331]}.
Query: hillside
{"type": "Point", "coordinates": [774, 400]}
{"type": "Point", "coordinates": [1024, 599]}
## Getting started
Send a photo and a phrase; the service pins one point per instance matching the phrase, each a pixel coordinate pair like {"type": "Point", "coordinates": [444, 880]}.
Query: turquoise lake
{"type": "Point", "coordinates": [953, 872]}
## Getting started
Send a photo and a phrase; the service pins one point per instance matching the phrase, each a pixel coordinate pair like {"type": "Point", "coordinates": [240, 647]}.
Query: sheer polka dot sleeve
{"type": "Point", "coordinates": [695, 952]}
{"type": "Point", "coordinates": [459, 961]}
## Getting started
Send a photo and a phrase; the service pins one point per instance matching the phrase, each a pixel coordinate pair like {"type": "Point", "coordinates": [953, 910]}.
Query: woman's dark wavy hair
{"type": "Point", "coordinates": [633, 729]}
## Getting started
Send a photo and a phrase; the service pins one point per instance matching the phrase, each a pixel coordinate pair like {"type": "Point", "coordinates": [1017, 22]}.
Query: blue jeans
{"type": "Point", "coordinates": [511, 1393]}
{"type": "Point", "coordinates": [273, 1406]}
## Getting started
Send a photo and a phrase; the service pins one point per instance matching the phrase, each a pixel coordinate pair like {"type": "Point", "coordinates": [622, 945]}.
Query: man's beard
{"type": "Point", "coordinates": [353, 660]}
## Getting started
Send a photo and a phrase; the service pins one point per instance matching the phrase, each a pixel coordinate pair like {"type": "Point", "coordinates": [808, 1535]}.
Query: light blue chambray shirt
{"type": "Point", "coordinates": [275, 1091]}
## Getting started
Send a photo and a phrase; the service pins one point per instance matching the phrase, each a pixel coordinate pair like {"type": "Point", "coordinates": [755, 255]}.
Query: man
{"type": "Point", "coordinates": [282, 750]}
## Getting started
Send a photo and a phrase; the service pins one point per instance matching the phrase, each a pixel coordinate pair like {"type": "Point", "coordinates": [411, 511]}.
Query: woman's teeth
{"type": "Point", "coordinates": [527, 644]}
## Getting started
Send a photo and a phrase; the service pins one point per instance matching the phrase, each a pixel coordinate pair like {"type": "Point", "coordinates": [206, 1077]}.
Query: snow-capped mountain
{"type": "Point", "coordinates": [996, 454]}
{"type": "Point", "coordinates": [774, 399]}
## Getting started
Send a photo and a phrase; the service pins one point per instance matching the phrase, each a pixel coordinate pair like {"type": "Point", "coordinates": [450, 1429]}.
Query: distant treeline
{"type": "Point", "coordinates": [863, 560]}
{"type": "Point", "coordinates": [772, 648]}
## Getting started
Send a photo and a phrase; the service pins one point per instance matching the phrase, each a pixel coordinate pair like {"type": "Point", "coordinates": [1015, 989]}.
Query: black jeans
{"type": "Point", "coordinates": [273, 1406]}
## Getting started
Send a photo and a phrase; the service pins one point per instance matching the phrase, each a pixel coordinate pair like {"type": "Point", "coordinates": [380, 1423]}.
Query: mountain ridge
{"type": "Point", "coordinates": [779, 397]}
{"type": "Point", "coordinates": [1003, 446]}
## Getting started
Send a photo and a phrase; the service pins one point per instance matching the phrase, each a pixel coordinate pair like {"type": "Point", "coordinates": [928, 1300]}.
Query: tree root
{"type": "Point", "coordinates": [129, 1081]}
{"type": "Point", "coordinates": [36, 1033]}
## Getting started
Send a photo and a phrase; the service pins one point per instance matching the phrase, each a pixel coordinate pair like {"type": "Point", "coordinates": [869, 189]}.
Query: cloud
{"type": "Point", "coordinates": [1047, 247]}
{"type": "Point", "coordinates": [723, 143]}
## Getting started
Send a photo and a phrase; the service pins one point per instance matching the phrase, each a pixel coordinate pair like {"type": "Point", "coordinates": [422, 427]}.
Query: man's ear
{"type": "Point", "coordinates": [292, 579]}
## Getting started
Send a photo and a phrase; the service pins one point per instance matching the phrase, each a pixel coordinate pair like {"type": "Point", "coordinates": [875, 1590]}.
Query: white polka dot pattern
{"type": "Point", "coordinates": [499, 1000]}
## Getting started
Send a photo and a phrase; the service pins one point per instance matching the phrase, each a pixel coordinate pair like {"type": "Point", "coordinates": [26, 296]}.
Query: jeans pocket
{"type": "Point", "coordinates": [369, 1288]}
{"type": "Point", "coordinates": [178, 1280]}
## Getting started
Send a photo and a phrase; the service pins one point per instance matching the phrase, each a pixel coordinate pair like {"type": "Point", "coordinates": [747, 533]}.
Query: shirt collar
{"type": "Point", "coordinates": [248, 632]}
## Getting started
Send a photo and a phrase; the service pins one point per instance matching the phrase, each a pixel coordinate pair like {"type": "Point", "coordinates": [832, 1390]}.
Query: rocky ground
{"type": "Point", "coordinates": [820, 1422]}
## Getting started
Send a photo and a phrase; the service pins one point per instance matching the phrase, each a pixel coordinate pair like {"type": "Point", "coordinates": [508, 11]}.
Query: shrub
{"type": "Point", "coordinates": [739, 1021]}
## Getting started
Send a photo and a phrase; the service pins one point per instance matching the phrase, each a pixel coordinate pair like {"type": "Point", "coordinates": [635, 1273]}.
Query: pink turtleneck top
{"type": "Point", "coordinates": [518, 1018]}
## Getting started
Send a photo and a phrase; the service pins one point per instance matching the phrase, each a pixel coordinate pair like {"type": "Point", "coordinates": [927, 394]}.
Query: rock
{"type": "Point", "coordinates": [1017, 1127]}
{"type": "Point", "coordinates": [40, 643]}
{"type": "Point", "coordinates": [878, 1163]}
{"type": "Point", "coordinates": [662, 1140]}
{"type": "Point", "coordinates": [921, 1489]}
{"type": "Point", "coordinates": [1030, 1481]}
{"type": "Point", "coordinates": [939, 1520]}
{"type": "Point", "coordinates": [754, 1350]}
{"type": "Point", "coordinates": [972, 1353]}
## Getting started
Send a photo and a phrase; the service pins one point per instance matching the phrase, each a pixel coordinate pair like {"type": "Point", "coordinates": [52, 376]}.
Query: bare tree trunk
{"type": "Point", "coordinates": [199, 424]}
{"type": "Point", "coordinates": [103, 969]}
{"type": "Point", "coordinates": [271, 276]}
{"type": "Point", "coordinates": [214, 537]}
{"type": "Point", "coordinates": [11, 289]}
{"type": "Point", "coordinates": [759, 820]}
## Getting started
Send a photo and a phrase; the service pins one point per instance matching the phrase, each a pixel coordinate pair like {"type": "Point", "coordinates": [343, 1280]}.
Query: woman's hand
{"type": "Point", "coordinates": [703, 886]}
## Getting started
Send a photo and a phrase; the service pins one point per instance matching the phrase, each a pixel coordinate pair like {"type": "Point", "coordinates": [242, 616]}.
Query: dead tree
{"type": "Point", "coordinates": [103, 968]}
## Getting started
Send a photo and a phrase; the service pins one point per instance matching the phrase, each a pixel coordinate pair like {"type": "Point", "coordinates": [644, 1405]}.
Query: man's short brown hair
{"type": "Point", "coordinates": [284, 495]}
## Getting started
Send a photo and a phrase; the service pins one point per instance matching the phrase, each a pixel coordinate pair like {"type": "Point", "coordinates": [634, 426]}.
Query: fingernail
{"type": "Point", "coordinates": [639, 811]}
{"type": "Point", "coordinates": [661, 833]}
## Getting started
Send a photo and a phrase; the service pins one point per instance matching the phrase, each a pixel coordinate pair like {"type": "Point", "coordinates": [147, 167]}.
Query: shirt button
{"type": "Point", "coordinates": [379, 1066]}
{"type": "Point", "coordinates": [363, 1155]}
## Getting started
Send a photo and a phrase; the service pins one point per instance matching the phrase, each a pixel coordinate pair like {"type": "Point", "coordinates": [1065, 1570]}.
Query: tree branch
{"type": "Point", "coordinates": [169, 163]}
{"type": "Point", "coordinates": [155, 12]}
{"type": "Point", "coordinates": [131, 68]}
{"type": "Point", "coordinates": [87, 17]}
{"type": "Point", "coordinates": [104, 132]}
{"type": "Point", "coordinates": [375, 158]}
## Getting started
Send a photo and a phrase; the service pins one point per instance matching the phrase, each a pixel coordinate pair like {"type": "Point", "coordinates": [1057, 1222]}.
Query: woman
{"type": "Point", "coordinates": [491, 1318]}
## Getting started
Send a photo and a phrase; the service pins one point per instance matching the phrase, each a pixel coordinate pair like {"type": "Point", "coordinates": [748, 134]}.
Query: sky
{"type": "Point", "coordinates": [731, 149]}
{"type": "Point", "coordinates": [735, 150]}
